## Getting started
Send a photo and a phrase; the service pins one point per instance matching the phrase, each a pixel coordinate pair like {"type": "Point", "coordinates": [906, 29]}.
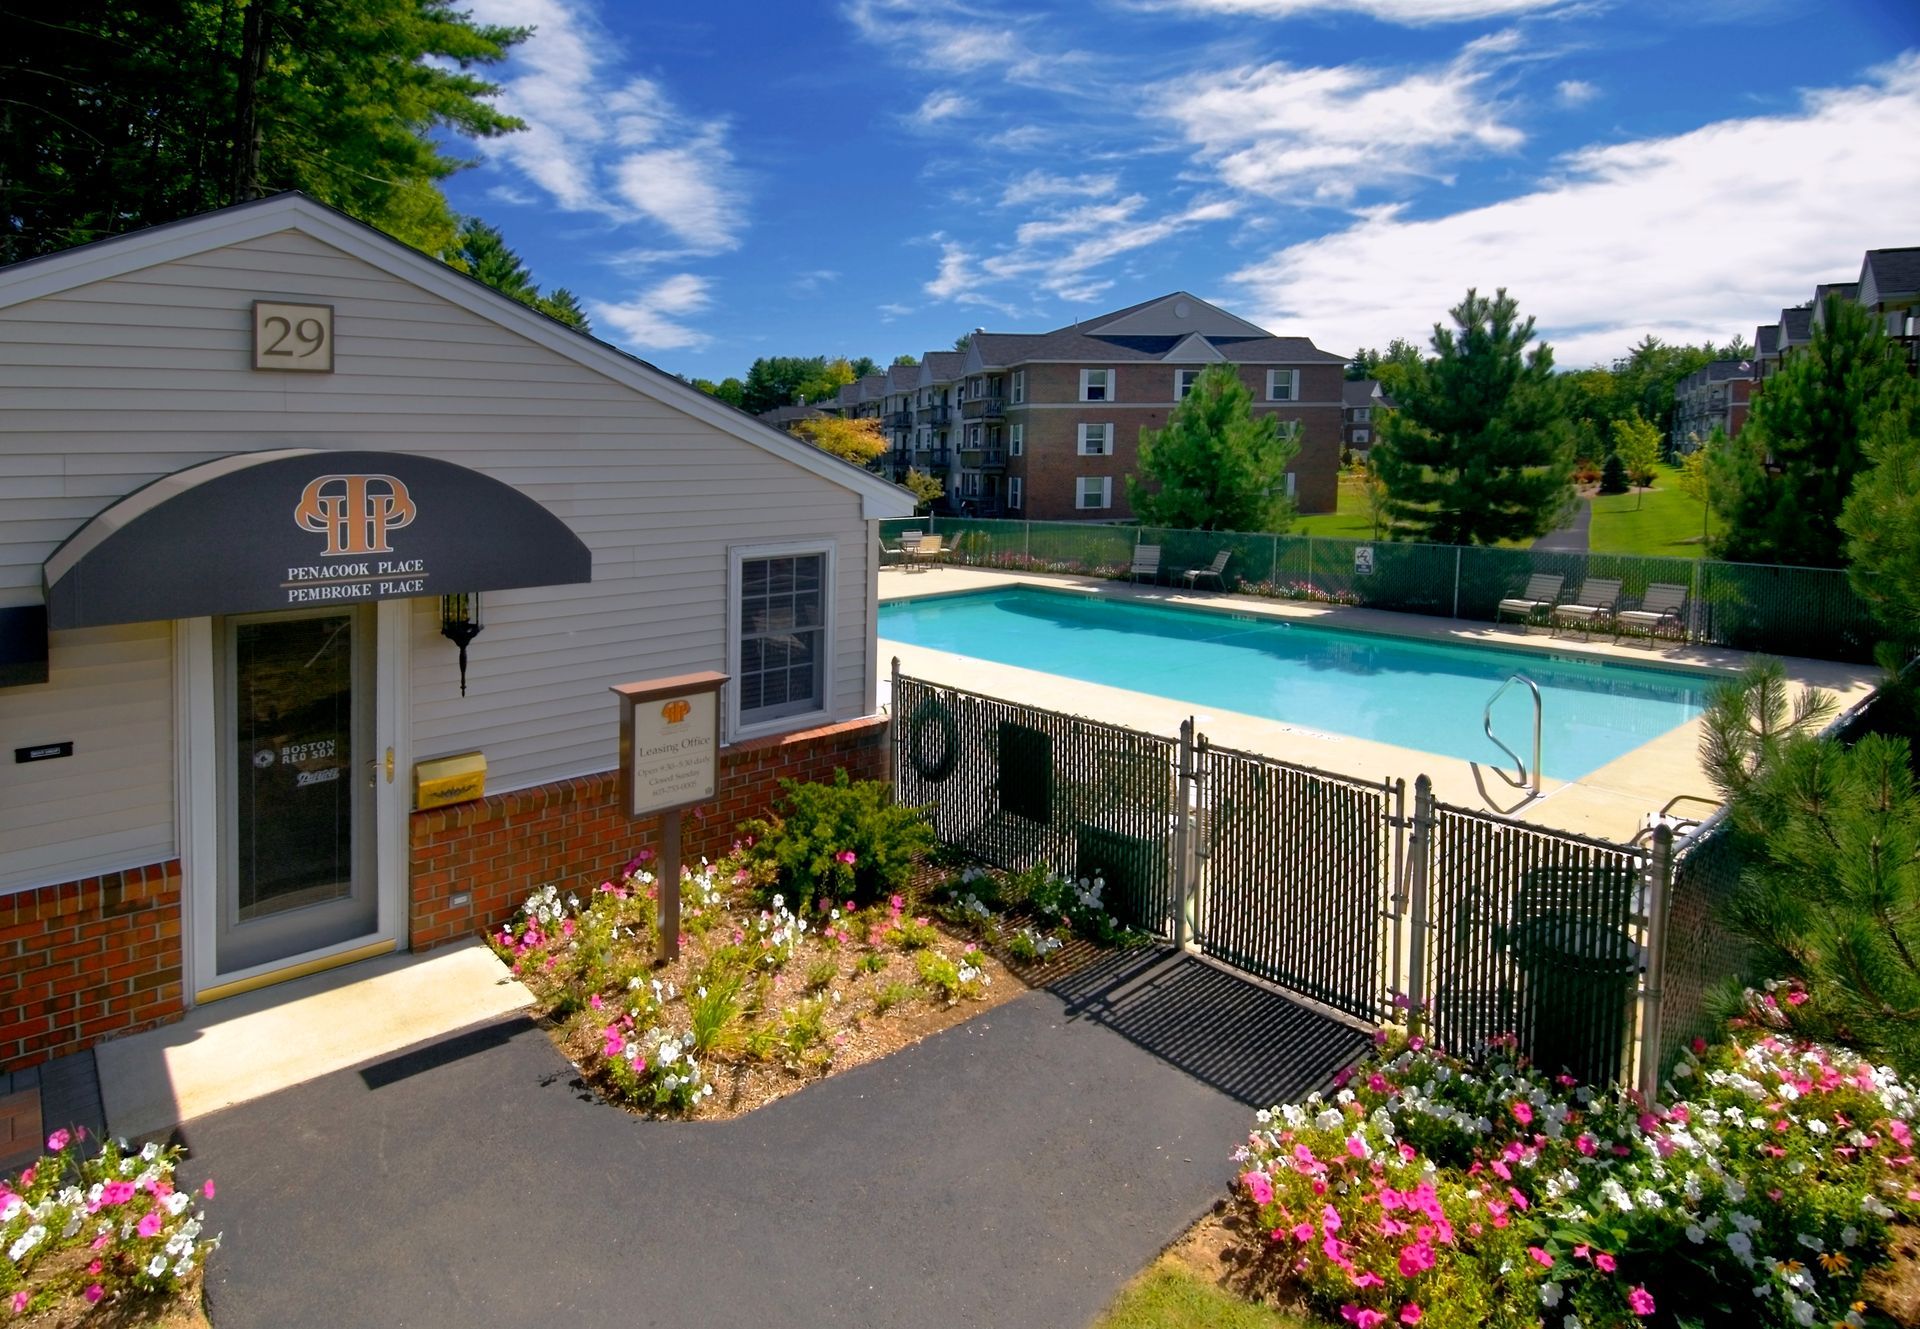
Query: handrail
{"type": "Point", "coordinates": [1486, 723]}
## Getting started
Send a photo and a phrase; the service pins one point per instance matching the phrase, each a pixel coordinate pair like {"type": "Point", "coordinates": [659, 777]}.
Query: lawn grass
{"type": "Point", "coordinates": [1171, 1296]}
{"type": "Point", "coordinates": [1348, 521]}
{"type": "Point", "coordinates": [1661, 521]}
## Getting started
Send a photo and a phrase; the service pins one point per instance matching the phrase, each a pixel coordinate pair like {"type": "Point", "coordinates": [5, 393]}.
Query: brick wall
{"type": "Point", "coordinates": [573, 834]}
{"type": "Point", "coordinates": [88, 960]}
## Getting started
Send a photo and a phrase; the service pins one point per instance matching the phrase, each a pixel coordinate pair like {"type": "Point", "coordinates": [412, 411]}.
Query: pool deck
{"type": "Point", "coordinates": [1610, 803]}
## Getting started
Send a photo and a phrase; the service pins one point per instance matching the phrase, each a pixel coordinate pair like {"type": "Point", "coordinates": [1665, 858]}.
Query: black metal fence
{"type": "Point", "coordinates": [1701, 954]}
{"type": "Point", "coordinates": [1295, 888]}
{"type": "Point", "coordinates": [1535, 934]}
{"type": "Point", "coordinates": [1749, 606]}
{"type": "Point", "coordinates": [1020, 787]}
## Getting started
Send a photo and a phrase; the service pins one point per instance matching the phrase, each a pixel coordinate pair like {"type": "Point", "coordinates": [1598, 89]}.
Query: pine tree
{"type": "Point", "coordinates": [1882, 522]}
{"type": "Point", "coordinates": [1780, 491]}
{"type": "Point", "coordinates": [1477, 451]}
{"type": "Point", "coordinates": [1613, 475]}
{"type": "Point", "coordinates": [482, 252]}
{"type": "Point", "coordinates": [1216, 466]}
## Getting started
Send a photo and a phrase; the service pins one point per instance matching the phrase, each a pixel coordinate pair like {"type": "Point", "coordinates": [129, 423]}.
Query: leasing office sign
{"type": "Point", "coordinates": [288, 529]}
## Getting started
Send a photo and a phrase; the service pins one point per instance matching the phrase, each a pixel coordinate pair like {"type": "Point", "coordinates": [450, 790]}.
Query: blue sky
{"type": "Point", "coordinates": [724, 181]}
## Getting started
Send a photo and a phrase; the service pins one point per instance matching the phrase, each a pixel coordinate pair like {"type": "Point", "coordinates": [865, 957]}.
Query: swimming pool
{"type": "Point", "coordinates": [1410, 693]}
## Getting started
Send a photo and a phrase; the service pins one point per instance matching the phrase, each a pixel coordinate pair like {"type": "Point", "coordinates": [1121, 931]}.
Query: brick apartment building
{"type": "Point", "coordinates": [1046, 426]}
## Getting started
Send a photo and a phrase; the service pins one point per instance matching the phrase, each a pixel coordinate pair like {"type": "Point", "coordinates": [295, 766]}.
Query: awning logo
{"type": "Point", "coordinates": [355, 512]}
{"type": "Point", "coordinates": [674, 712]}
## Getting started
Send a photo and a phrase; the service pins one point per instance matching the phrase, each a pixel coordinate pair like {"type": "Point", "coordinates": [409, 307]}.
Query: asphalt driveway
{"type": "Point", "coordinates": [1012, 1171]}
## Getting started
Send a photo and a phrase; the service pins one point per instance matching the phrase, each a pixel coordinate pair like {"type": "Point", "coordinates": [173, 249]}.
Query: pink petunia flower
{"type": "Point", "coordinates": [1523, 1113]}
{"type": "Point", "coordinates": [1603, 1262]}
{"type": "Point", "coordinates": [20, 1301]}
{"type": "Point", "coordinates": [58, 1141]}
{"type": "Point", "coordinates": [1361, 1317]}
{"type": "Point", "coordinates": [151, 1224]}
{"type": "Point", "coordinates": [1259, 1187]}
{"type": "Point", "coordinates": [1640, 1301]}
{"type": "Point", "coordinates": [95, 1292]}
{"type": "Point", "coordinates": [1410, 1313]}
{"type": "Point", "coordinates": [1540, 1257]}
{"type": "Point", "coordinates": [206, 1188]}
{"type": "Point", "coordinates": [846, 856]}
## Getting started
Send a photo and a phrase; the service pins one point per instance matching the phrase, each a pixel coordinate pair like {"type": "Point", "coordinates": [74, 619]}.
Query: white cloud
{"type": "Point", "coordinates": [810, 283]}
{"type": "Point", "coordinates": [649, 321]}
{"type": "Point", "coordinates": [1698, 236]}
{"type": "Point", "coordinates": [1300, 134]}
{"type": "Point", "coordinates": [1576, 92]}
{"type": "Point", "coordinates": [956, 273]}
{"type": "Point", "coordinates": [599, 143]}
{"type": "Point", "coordinates": [1037, 185]}
{"type": "Point", "coordinates": [1409, 12]}
{"type": "Point", "coordinates": [961, 36]}
{"type": "Point", "coordinates": [939, 106]}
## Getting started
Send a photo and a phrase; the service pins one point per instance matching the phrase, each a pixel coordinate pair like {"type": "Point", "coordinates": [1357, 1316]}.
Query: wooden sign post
{"type": "Point", "coordinates": [669, 760]}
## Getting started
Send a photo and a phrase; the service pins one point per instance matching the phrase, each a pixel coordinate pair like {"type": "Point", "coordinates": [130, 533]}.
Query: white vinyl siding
{"type": "Point", "coordinates": [1097, 385]}
{"type": "Point", "coordinates": [1096, 440]}
{"type": "Point", "coordinates": [111, 804]}
{"type": "Point", "coordinates": [1093, 491]}
{"type": "Point", "coordinates": [1280, 385]}
{"type": "Point", "coordinates": [108, 386]}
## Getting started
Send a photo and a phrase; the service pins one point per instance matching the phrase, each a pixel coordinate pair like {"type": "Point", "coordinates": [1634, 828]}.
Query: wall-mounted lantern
{"type": "Point", "coordinates": [460, 624]}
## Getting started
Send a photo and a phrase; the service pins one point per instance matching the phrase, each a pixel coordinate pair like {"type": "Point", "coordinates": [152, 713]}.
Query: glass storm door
{"type": "Point", "coordinates": [297, 770]}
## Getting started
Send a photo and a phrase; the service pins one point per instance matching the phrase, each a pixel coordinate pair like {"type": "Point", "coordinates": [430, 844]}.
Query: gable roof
{"type": "Point", "coordinates": [1177, 312]}
{"type": "Point", "coordinates": [119, 255]}
{"type": "Point", "coordinates": [1766, 339]}
{"type": "Point", "coordinates": [941, 367]}
{"type": "Point", "coordinates": [1360, 392]}
{"type": "Point", "coordinates": [1891, 272]}
{"type": "Point", "coordinates": [901, 378]}
{"type": "Point", "coordinates": [1796, 326]}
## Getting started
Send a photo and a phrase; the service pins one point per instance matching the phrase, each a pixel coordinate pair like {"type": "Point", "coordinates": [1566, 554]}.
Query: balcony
{"type": "Point", "coordinates": [984, 408]}
{"type": "Point", "coordinates": [900, 420]}
{"type": "Point", "coordinates": [993, 459]}
{"type": "Point", "coordinates": [935, 415]}
{"type": "Point", "coordinates": [938, 458]}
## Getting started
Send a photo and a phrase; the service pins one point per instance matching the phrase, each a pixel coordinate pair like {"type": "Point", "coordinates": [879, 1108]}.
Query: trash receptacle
{"type": "Point", "coordinates": [1577, 1013]}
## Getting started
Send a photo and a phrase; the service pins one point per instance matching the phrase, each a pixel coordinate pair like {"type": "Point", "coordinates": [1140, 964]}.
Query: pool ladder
{"type": "Point", "coordinates": [1486, 722]}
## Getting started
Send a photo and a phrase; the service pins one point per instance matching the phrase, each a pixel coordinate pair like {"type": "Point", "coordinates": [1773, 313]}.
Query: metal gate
{"type": "Point", "coordinates": [1296, 868]}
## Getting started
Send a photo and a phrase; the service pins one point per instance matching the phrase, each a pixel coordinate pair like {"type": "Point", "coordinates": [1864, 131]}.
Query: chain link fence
{"type": "Point", "coordinates": [1748, 606]}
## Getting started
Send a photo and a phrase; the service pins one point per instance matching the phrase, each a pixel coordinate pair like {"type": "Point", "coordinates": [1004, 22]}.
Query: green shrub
{"type": "Point", "coordinates": [893, 994]}
{"type": "Point", "coordinates": [841, 841]}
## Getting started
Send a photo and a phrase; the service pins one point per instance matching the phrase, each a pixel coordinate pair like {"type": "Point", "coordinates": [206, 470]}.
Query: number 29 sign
{"type": "Point", "coordinates": [295, 337]}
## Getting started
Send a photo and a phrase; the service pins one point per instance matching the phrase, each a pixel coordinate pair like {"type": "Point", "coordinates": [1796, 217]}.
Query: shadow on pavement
{"type": "Point", "coordinates": [1234, 1036]}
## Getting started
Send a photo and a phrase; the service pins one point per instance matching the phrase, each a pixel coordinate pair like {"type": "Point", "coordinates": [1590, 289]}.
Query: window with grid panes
{"type": "Point", "coordinates": [782, 636]}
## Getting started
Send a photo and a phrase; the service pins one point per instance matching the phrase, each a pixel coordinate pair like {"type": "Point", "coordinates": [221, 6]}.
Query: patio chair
{"type": "Point", "coordinates": [1216, 569]}
{"type": "Point", "coordinates": [1146, 563]}
{"type": "Point", "coordinates": [1662, 609]}
{"type": "Point", "coordinates": [902, 549]}
{"type": "Point", "coordinates": [1594, 604]}
{"type": "Point", "coordinates": [1543, 588]}
{"type": "Point", "coordinates": [927, 547]}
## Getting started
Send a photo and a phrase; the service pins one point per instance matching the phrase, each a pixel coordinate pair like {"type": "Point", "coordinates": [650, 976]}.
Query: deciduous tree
{"type": "Point", "coordinates": [1637, 444]}
{"type": "Point", "coordinates": [858, 441]}
{"type": "Point", "coordinates": [1215, 466]}
{"type": "Point", "coordinates": [1477, 451]}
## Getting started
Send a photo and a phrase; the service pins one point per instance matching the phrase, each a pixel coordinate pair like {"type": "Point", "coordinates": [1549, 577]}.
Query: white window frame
{"type": "Point", "coordinates": [1015, 493]}
{"type": "Point", "coordinates": [1106, 441]}
{"type": "Point", "coordinates": [737, 557]}
{"type": "Point", "coordinates": [1180, 386]}
{"type": "Point", "coordinates": [1290, 377]}
{"type": "Point", "coordinates": [1362, 414]}
{"type": "Point", "coordinates": [1017, 390]}
{"type": "Point", "coordinates": [1109, 385]}
{"type": "Point", "coordinates": [1080, 493]}
{"type": "Point", "coordinates": [1288, 429]}
{"type": "Point", "coordinates": [1291, 479]}
{"type": "Point", "coordinates": [1016, 440]}
{"type": "Point", "coordinates": [1362, 435]}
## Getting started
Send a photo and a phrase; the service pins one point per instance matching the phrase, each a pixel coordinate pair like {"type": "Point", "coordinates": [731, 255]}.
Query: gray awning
{"type": "Point", "coordinates": [305, 528]}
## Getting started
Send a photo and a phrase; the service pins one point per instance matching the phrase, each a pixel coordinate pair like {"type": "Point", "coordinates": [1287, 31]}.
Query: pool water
{"type": "Point", "coordinates": [1413, 694]}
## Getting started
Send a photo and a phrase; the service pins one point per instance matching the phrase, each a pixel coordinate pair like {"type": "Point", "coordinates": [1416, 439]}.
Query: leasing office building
{"type": "Point", "coordinates": [254, 465]}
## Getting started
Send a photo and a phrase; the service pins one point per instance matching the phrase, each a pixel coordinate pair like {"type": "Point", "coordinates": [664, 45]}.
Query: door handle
{"type": "Point", "coordinates": [373, 781]}
{"type": "Point", "coordinates": [389, 765]}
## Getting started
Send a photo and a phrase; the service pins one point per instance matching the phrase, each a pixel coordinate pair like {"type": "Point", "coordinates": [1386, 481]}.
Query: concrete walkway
{"type": "Point", "coordinates": [1012, 1171]}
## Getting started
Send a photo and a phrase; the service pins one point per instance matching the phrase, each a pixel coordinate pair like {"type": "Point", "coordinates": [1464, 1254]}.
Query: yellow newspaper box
{"type": "Point", "coordinates": [445, 780]}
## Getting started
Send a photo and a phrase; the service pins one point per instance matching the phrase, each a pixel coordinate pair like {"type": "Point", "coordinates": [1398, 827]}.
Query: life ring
{"type": "Point", "coordinates": [931, 714]}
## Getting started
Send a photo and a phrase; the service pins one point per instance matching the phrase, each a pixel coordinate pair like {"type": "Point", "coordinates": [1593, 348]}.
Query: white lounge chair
{"type": "Point", "coordinates": [1146, 563]}
{"type": "Point", "coordinates": [1216, 569]}
{"type": "Point", "coordinates": [1662, 610]}
{"type": "Point", "coordinates": [1594, 604]}
{"type": "Point", "coordinates": [923, 550]}
{"type": "Point", "coordinates": [1543, 588]}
